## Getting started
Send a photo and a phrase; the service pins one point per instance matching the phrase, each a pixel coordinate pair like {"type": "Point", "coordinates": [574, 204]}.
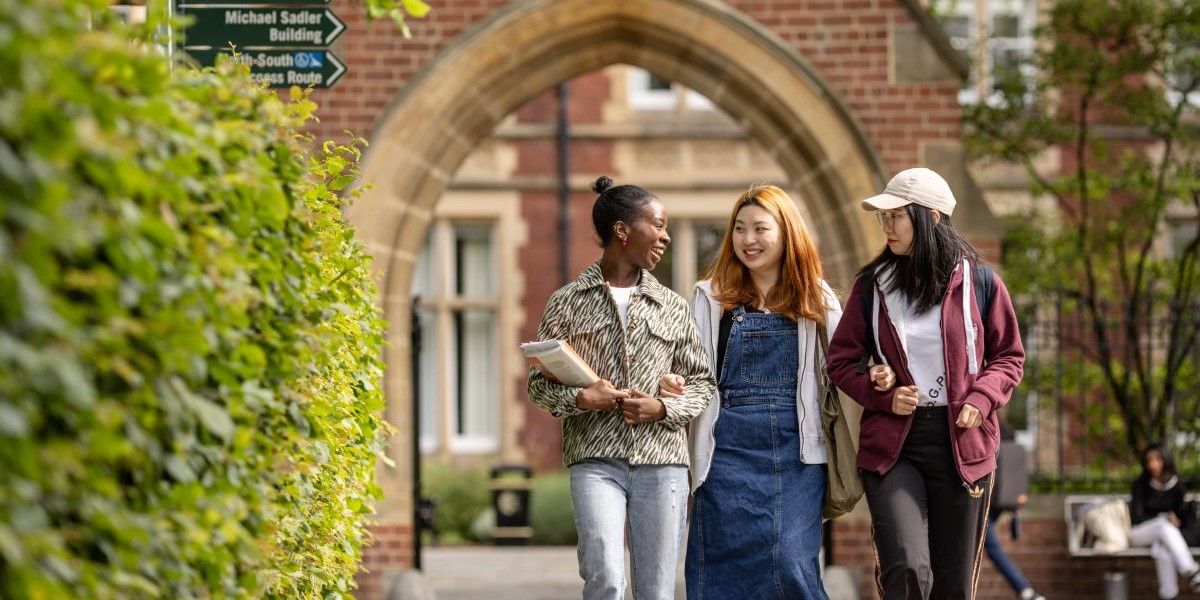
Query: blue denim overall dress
{"type": "Point", "coordinates": [755, 528]}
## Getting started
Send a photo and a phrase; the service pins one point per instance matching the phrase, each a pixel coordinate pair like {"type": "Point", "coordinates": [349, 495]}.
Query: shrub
{"type": "Point", "coordinates": [464, 504]}
{"type": "Point", "coordinates": [188, 340]}
{"type": "Point", "coordinates": [461, 494]}
{"type": "Point", "coordinates": [553, 514]}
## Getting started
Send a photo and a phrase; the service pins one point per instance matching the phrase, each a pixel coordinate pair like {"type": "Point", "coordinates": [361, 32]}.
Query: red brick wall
{"type": "Point", "coordinates": [379, 60]}
{"type": "Point", "coordinates": [845, 40]}
{"type": "Point", "coordinates": [1041, 553]}
{"type": "Point", "coordinates": [391, 550]}
{"type": "Point", "coordinates": [586, 97]}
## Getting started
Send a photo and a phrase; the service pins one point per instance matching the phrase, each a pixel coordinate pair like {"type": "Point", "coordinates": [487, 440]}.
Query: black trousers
{"type": "Point", "coordinates": [928, 526]}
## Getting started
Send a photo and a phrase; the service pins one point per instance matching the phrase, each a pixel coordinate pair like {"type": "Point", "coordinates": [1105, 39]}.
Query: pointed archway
{"type": "Point", "coordinates": [514, 54]}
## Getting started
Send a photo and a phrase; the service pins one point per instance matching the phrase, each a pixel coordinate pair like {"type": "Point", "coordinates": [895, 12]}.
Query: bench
{"type": "Point", "coordinates": [1079, 541]}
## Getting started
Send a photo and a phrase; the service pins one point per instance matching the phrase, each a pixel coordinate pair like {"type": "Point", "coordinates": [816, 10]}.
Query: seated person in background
{"type": "Point", "coordinates": [1157, 510]}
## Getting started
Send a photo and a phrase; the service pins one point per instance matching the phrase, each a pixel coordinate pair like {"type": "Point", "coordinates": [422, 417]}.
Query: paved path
{"type": "Point", "coordinates": [509, 573]}
{"type": "Point", "coordinates": [539, 573]}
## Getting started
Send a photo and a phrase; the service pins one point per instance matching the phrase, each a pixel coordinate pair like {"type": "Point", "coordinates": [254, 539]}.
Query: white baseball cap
{"type": "Point", "coordinates": [919, 186]}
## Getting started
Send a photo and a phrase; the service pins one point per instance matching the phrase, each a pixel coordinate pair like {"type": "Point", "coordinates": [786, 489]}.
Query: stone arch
{"type": "Point", "coordinates": [511, 56]}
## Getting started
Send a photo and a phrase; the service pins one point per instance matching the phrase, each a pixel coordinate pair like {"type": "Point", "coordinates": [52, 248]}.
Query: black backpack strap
{"type": "Point", "coordinates": [866, 294]}
{"type": "Point", "coordinates": [985, 290]}
{"type": "Point", "coordinates": [982, 281]}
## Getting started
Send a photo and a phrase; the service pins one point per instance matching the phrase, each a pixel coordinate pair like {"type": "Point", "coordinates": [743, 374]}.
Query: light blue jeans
{"type": "Point", "coordinates": [608, 495]}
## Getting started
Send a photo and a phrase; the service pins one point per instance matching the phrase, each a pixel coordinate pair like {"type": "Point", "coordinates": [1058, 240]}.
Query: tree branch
{"type": "Point", "coordinates": [1119, 387]}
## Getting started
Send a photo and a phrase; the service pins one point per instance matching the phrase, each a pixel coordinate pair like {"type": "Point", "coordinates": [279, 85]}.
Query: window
{"type": "Point", "coordinates": [650, 92]}
{"type": "Point", "coordinates": [456, 282]}
{"type": "Point", "coordinates": [958, 29]}
{"type": "Point", "coordinates": [1006, 26]}
{"type": "Point", "coordinates": [709, 235]}
{"type": "Point", "coordinates": [654, 83]}
{"type": "Point", "coordinates": [1182, 233]}
{"type": "Point", "coordinates": [695, 244]}
{"type": "Point", "coordinates": [1008, 40]}
{"type": "Point", "coordinates": [1182, 74]}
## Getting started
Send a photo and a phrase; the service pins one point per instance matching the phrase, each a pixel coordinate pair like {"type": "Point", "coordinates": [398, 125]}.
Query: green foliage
{"type": "Point", "coordinates": [1115, 98]}
{"type": "Point", "coordinates": [397, 10]}
{"type": "Point", "coordinates": [461, 494]}
{"type": "Point", "coordinates": [188, 338]}
{"type": "Point", "coordinates": [553, 513]}
{"type": "Point", "coordinates": [483, 526]}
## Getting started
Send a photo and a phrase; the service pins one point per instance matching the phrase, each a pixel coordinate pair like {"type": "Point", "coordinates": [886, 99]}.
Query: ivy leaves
{"type": "Point", "coordinates": [189, 342]}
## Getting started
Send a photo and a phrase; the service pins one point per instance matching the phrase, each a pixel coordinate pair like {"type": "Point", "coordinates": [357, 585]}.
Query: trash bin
{"type": "Point", "coordinates": [1116, 586]}
{"type": "Point", "coordinates": [510, 501]}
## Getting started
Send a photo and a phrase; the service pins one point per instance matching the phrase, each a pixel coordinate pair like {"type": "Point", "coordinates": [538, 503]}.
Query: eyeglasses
{"type": "Point", "coordinates": [889, 219]}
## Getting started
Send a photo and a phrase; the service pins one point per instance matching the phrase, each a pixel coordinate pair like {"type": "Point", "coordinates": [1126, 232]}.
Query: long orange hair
{"type": "Point", "coordinates": [797, 294]}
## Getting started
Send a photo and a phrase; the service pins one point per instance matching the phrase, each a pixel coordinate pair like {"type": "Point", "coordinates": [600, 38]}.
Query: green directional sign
{"type": "Point", "coordinates": [244, 27]}
{"type": "Point", "coordinates": [284, 68]}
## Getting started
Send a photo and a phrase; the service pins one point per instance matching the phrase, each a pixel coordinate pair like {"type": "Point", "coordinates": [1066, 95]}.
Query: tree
{"type": "Point", "coordinates": [1112, 91]}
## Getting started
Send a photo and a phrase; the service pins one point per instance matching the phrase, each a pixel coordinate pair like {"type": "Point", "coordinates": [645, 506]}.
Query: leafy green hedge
{"type": "Point", "coordinates": [461, 494]}
{"type": "Point", "coordinates": [553, 514]}
{"type": "Point", "coordinates": [188, 341]}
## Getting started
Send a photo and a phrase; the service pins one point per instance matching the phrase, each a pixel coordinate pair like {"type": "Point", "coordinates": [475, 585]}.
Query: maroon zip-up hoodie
{"type": "Point", "coordinates": [882, 431]}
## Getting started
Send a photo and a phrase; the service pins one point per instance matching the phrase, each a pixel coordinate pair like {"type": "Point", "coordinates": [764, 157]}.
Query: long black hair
{"type": "Point", "coordinates": [937, 248]}
{"type": "Point", "coordinates": [620, 203]}
{"type": "Point", "coordinates": [1168, 461]}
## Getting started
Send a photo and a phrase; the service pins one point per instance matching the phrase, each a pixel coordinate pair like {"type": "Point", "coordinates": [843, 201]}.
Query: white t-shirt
{"type": "Point", "coordinates": [621, 296]}
{"type": "Point", "coordinates": [923, 338]}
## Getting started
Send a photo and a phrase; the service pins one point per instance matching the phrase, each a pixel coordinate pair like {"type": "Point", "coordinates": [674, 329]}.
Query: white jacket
{"type": "Point", "coordinates": [707, 312]}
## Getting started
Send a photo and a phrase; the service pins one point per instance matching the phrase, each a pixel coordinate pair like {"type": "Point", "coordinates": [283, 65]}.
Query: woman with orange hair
{"type": "Point", "coordinates": [757, 452]}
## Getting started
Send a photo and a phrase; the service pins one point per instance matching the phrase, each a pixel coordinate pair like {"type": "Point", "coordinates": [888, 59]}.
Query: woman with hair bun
{"type": "Point", "coordinates": [624, 445]}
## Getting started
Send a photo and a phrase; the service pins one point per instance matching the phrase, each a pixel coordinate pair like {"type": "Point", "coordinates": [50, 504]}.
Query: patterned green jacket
{"type": "Point", "coordinates": [661, 338]}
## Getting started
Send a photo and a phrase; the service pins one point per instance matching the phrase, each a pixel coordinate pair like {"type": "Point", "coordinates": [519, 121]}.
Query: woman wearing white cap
{"type": "Point", "coordinates": [927, 446]}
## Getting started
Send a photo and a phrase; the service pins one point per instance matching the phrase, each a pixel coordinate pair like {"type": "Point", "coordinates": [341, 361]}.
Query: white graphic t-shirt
{"type": "Point", "coordinates": [923, 338]}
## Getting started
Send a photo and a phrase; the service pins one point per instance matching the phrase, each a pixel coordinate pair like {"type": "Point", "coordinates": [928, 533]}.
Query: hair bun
{"type": "Point", "coordinates": [602, 183]}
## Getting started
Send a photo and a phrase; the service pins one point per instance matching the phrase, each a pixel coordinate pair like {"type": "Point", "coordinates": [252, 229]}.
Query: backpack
{"type": "Point", "coordinates": [1011, 478]}
{"type": "Point", "coordinates": [981, 280]}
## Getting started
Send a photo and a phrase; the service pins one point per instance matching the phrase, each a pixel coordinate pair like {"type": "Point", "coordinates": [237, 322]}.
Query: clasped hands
{"type": "Point", "coordinates": [635, 406]}
{"type": "Point", "coordinates": [904, 400]}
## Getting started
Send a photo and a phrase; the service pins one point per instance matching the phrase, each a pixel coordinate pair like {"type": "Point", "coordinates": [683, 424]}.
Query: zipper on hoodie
{"type": "Point", "coordinates": [891, 327]}
{"type": "Point", "coordinates": [949, 393]}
